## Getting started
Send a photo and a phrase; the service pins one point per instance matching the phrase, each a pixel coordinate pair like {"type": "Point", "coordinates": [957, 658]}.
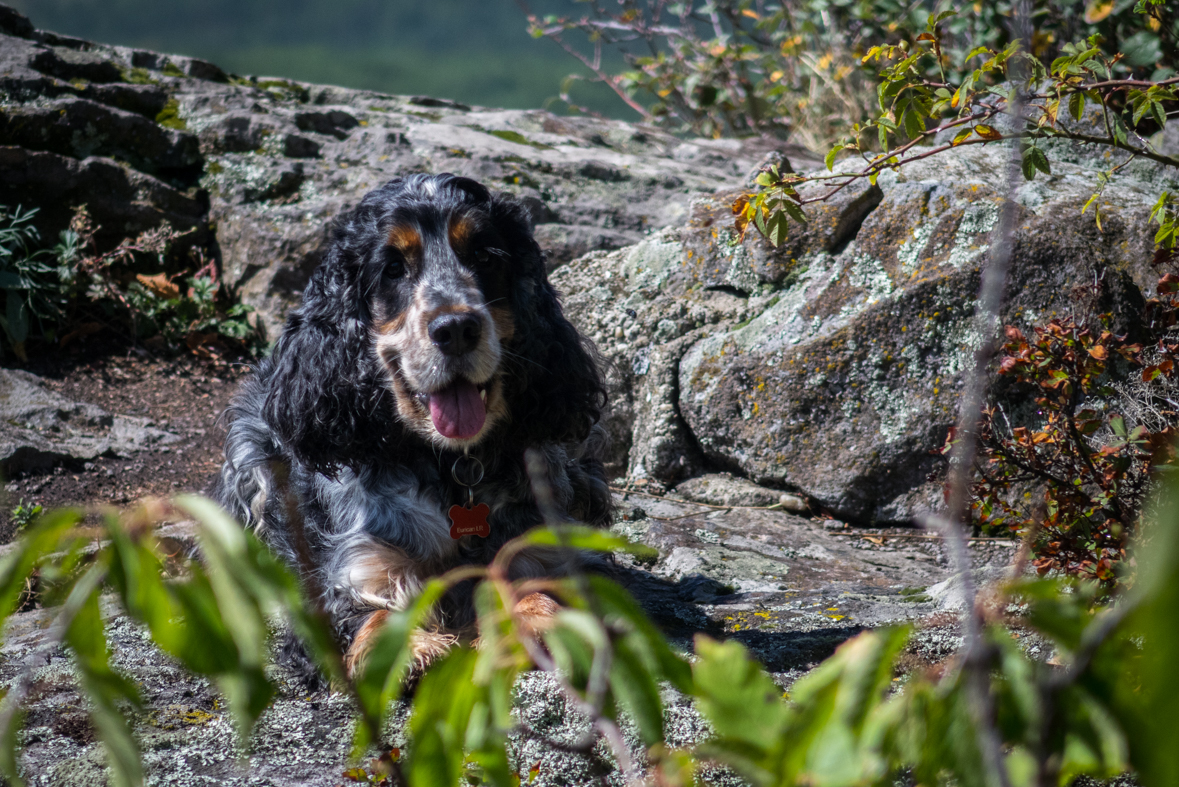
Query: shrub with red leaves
{"type": "Point", "coordinates": [1073, 476]}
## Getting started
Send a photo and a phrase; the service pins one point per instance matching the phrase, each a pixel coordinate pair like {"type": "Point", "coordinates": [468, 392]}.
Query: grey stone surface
{"type": "Point", "coordinates": [723, 489]}
{"type": "Point", "coordinates": [40, 428]}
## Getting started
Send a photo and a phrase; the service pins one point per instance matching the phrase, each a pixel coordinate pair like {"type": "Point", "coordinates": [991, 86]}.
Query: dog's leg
{"type": "Point", "coordinates": [383, 576]}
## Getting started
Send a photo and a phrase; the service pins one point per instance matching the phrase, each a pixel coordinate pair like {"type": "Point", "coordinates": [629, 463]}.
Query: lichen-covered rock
{"type": "Point", "coordinates": [831, 366]}
{"type": "Point", "coordinates": [722, 489]}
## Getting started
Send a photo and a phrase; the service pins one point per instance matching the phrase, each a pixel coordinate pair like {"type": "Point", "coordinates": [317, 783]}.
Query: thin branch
{"type": "Point", "coordinates": [601, 75]}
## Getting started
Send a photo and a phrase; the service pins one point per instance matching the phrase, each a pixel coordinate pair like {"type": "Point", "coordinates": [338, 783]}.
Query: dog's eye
{"type": "Point", "coordinates": [487, 253]}
{"type": "Point", "coordinates": [394, 267]}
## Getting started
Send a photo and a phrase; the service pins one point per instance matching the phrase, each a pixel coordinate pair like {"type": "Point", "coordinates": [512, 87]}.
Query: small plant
{"type": "Point", "coordinates": [1073, 474]}
{"type": "Point", "coordinates": [24, 514]}
{"type": "Point", "coordinates": [197, 314]}
{"type": "Point", "coordinates": [37, 283]}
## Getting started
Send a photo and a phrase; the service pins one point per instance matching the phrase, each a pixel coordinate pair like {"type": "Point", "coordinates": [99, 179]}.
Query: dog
{"type": "Point", "coordinates": [384, 440]}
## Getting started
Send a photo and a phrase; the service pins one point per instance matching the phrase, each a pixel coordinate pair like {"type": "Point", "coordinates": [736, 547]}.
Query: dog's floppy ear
{"type": "Point", "coordinates": [325, 399]}
{"type": "Point", "coordinates": [558, 389]}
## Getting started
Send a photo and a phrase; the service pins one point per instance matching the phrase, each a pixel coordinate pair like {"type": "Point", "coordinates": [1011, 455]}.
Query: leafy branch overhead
{"type": "Point", "coordinates": [1004, 96]}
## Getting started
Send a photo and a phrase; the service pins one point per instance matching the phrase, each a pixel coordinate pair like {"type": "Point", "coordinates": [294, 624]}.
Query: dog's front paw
{"type": "Point", "coordinates": [536, 612]}
{"type": "Point", "coordinates": [426, 645]}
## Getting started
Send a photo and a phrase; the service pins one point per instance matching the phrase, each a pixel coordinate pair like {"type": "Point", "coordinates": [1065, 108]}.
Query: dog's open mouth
{"type": "Point", "coordinates": [459, 410]}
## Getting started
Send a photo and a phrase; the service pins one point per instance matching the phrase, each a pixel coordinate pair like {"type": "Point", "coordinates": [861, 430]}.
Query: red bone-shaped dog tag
{"type": "Point", "coordinates": [470, 521]}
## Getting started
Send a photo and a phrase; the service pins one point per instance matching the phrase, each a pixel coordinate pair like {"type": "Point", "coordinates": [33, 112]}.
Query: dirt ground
{"type": "Point", "coordinates": [181, 394]}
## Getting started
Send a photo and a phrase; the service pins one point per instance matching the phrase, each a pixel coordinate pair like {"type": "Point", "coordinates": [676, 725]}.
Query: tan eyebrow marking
{"type": "Point", "coordinates": [407, 240]}
{"type": "Point", "coordinates": [461, 229]}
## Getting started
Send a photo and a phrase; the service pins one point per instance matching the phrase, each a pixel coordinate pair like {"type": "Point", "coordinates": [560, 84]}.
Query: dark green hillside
{"type": "Point", "coordinates": [476, 51]}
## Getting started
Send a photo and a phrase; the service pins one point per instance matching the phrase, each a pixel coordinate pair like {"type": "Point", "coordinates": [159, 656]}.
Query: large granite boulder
{"type": "Point", "coordinates": [831, 366]}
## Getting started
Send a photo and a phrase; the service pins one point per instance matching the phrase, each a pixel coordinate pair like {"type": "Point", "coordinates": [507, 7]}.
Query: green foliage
{"type": "Point", "coordinates": [23, 514]}
{"type": "Point", "coordinates": [213, 621]}
{"type": "Point", "coordinates": [73, 290]}
{"type": "Point", "coordinates": [801, 67]}
{"type": "Point", "coordinates": [36, 282]}
{"type": "Point", "coordinates": [1104, 707]}
{"type": "Point", "coordinates": [192, 316]}
{"type": "Point", "coordinates": [961, 81]}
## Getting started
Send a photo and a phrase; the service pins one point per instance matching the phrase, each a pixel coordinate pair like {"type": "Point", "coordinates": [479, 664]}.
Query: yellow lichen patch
{"type": "Point", "coordinates": [176, 716]}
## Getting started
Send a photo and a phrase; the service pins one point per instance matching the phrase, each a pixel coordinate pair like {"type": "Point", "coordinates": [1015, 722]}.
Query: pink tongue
{"type": "Point", "coordinates": [457, 410]}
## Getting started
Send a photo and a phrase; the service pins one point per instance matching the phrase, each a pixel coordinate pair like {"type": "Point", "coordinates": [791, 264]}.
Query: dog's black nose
{"type": "Point", "coordinates": [455, 334]}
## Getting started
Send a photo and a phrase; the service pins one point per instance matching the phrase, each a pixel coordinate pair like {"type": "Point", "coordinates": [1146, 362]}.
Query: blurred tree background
{"type": "Point", "coordinates": [474, 51]}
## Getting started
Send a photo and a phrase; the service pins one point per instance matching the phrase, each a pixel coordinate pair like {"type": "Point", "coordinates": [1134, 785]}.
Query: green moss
{"type": "Point", "coordinates": [139, 76]}
{"type": "Point", "coordinates": [169, 116]}
{"type": "Point", "coordinates": [517, 137]}
{"type": "Point", "coordinates": [642, 553]}
{"type": "Point", "coordinates": [170, 69]}
{"type": "Point", "coordinates": [916, 595]}
{"type": "Point", "coordinates": [214, 168]}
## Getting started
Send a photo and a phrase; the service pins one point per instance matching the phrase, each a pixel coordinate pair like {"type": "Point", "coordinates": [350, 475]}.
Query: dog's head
{"type": "Point", "coordinates": [431, 315]}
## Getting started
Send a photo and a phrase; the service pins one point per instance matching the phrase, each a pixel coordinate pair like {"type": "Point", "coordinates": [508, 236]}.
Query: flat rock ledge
{"type": "Point", "coordinates": [40, 428]}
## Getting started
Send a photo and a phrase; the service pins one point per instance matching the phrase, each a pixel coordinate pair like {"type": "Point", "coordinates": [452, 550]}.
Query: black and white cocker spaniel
{"type": "Point", "coordinates": [383, 442]}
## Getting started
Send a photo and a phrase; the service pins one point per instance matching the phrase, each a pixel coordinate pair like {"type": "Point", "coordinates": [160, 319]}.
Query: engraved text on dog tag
{"type": "Point", "coordinates": [470, 521]}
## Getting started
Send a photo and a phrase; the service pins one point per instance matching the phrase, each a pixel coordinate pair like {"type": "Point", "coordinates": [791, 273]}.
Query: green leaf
{"type": "Point", "coordinates": [103, 687]}
{"type": "Point", "coordinates": [777, 224]}
{"type": "Point", "coordinates": [1076, 105]}
{"type": "Point", "coordinates": [575, 537]}
{"type": "Point", "coordinates": [47, 536]}
{"type": "Point", "coordinates": [913, 123]}
{"type": "Point", "coordinates": [829, 160]}
{"type": "Point", "coordinates": [1033, 160]}
{"type": "Point", "coordinates": [383, 673]}
{"type": "Point", "coordinates": [1158, 113]}
{"type": "Point", "coordinates": [840, 714]}
{"type": "Point", "coordinates": [637, 691]}
{"type": "Point", "coordinates": [443, 705]}
{"type": "Point", "coordinates": [961, 136]}
{"type": "Point", "coordinates": [739, 700]}
{"type": "Point", "coordinates": [646, 639]}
